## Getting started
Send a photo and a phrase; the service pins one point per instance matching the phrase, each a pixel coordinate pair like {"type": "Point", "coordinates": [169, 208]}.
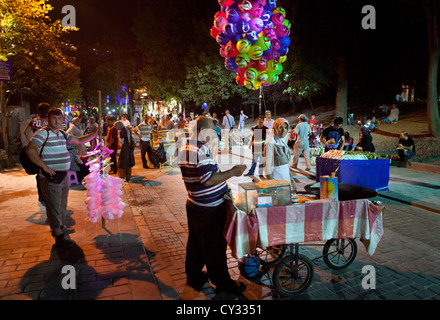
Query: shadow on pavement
{"type": "Point", "coordinates": [44, 281]}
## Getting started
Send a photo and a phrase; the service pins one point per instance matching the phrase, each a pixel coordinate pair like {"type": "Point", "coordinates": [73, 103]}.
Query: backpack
{"type": "Point", "coordinates": [30, 167]}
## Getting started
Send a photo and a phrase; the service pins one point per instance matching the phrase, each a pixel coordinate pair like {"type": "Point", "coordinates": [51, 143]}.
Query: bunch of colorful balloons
{"type": "Point", "coordinates": [254, 40]}
{"type": "Point", "coordinates": [103, 191]}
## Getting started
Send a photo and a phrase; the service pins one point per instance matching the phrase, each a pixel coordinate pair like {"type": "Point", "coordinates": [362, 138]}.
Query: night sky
{"type": "Point", "coordinates": [394, 53]}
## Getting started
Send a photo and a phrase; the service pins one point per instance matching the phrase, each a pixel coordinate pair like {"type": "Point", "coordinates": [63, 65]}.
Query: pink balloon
{"type": "Point", "coordinates": [277, 19]}
{"type": "Point", "coordinates": [276, 44]}
{"type": "Point", "coordinates": [257, 9]}
{"type": "Point", "coordinates": [282, 31]}
{"type": "Point", "coordinates": [269, 33]}
{"type": "Point", "coordinates": [245, 16]}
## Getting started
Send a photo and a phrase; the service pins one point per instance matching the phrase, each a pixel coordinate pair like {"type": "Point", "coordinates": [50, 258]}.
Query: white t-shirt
{"type": "Point", "coordinates": [268, 124]}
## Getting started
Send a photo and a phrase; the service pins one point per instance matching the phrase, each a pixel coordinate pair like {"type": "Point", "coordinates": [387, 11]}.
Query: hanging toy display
{"type": "Point", "coordinates": [103, 191]}
{"type": "Point", "coordinates": [254, 40]}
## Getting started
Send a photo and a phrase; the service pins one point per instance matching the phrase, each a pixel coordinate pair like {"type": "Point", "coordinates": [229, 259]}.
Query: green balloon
{"type": "Point", "coordinates": [255, 53]}
{"type": "Point", "coordinates": [242, 60]}
{"type": "Point", "coordinates": [244, 45]}
{"type": "Point", "coordinates": [249, 84]}
{"type": "Point", "coordinates": [272, 66]}
{"type": "Point", "coordinates": [279, 70]}
{"type": "Point", "coordinates": [263, 43]}
{"type": "Point", "coordinates": [272, 78]}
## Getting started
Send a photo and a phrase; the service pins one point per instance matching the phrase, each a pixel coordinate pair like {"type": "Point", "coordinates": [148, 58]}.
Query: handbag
{"type": "Point", "coordinates": [160, 154]}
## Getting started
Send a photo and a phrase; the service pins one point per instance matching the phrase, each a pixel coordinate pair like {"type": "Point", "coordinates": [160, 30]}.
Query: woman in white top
{"type": "Point", "coordinates": [278, 154]}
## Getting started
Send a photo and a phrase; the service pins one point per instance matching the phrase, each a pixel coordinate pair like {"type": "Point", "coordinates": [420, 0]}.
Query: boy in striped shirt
{"type": "Point", "coordinates": [206, 210]}
{"type": "Point", "coordinates": [55, 161]}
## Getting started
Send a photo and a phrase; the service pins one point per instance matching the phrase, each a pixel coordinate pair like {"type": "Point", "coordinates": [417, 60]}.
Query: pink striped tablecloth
{"type": "Point", "coordinates": [302, 223]}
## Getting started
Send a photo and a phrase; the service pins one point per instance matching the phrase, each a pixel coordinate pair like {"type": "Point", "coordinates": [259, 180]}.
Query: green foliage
{"type": "Point", "coordinates": [42, 64]}
{"type": "Point", "coordinates": [211, 84]}
{"type": "Point", "coordinates": [171, 47]}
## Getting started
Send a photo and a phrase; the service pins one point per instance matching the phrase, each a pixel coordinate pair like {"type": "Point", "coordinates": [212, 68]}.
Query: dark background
{"type": "Point", "coordinates": [381, 60]}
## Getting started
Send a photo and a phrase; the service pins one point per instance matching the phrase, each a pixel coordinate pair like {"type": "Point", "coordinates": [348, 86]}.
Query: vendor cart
{"type": "Point", "coordinates": [286, 228]}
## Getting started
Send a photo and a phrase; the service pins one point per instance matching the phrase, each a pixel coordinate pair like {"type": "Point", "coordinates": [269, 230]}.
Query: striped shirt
{"type": "Point", "coordinates": [197, 165]}
{"type": "Point", "coordinates": [144, 130]}
{"type": "Point", "coordinates": [55, 154]}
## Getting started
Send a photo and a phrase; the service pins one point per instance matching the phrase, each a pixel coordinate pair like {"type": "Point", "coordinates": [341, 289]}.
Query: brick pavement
{"type": "Point", "coordinates": [142, 255]}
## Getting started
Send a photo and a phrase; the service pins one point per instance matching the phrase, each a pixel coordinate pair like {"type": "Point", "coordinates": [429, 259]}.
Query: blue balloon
{"type": "Point", "coordinates": [252, 37]}
{"type": "Point", "coordinates": [266, 15]}
{"type": "Point", "coordinates": [285, 41]}
{"type": "Point", "coordinates": [283, 51]}
{"type": "Point", "coordinates": [236, 37]}
{"type": "Point", "coordinates": [230, 29]}
{"type": "Point", "coordinates": [232, 15]}
{"type": "Point", "coordinates": [222, 39]}
{"type": "Point", "coordinates": [230, 64]}
{"type": "Point", "coordinates": [268, 51]}
{"type": "Point", "coordinates": [204, 105]}
{"type": "Point", "coordinates": [271, 5]}
{"type": "Point", "coordinates": [243, 26]}
{"type": "Point", "coordinates": [268, 24]}
{"type": "Point", "coordinates": [234, 6]}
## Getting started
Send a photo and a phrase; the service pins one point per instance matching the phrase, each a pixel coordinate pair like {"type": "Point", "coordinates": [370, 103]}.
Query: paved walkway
{"type": "Point", "coordinates": [141, 256]}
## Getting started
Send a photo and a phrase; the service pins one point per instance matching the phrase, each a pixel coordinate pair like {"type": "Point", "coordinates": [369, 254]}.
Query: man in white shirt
{"type": "Point", "coordinates": [228, 124]}
{"type": "Point", "coordinates": [268, 122]}
{"type": "Point", "coordinates": [125, 121]}
{"type": "Point", "coordinates": [303, 132]}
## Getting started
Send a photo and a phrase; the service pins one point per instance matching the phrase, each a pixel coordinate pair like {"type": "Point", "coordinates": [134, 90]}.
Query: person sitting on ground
{"type": "Point", "coordinates": [382, 111]}
{"type": "Point", "coordinates": [406, 148]}
{"type": "Point", "coordinates": [349, 142]}
{"type": "Point", "coordinates": [365, 141]}
{"type": "Point", "coordinates": [393, 117]}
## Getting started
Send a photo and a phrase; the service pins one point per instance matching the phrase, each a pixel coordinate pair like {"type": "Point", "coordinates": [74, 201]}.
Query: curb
{"type": "Point", "coordinates": [424, 167]}
{"type": "Point", "coordinates": [414, 204]}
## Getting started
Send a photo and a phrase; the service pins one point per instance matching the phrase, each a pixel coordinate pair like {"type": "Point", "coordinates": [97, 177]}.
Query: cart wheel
{"type": "Point", "coordinates": [271, 255]}
{"type": "Point", "coordinates": [289, 278]}
{"type": "Point", "coordinates": [338, 254]}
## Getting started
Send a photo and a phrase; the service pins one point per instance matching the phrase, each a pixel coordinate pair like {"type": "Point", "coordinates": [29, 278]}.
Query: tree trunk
{"type": "Point", "coordinates": [433, 64]}
{"type": "Point", "coordinates": [311, 104]}
{"type": "Point", "coordinates": [342, 89]}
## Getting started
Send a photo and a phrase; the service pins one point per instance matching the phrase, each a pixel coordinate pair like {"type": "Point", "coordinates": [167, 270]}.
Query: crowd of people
{"type": "Point", "coordinates": [276, 147]}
